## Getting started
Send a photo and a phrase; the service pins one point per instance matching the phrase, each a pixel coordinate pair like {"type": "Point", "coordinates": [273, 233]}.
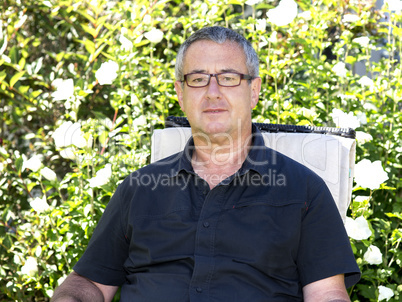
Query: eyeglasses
{"type": "Point", "coordinates": [225, 79]}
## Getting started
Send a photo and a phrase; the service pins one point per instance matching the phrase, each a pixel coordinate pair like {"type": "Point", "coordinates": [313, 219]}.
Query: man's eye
{"type": "Point", "coordinates": [228, 78]}
{"type": "Point", "coordinates": [198, 79]}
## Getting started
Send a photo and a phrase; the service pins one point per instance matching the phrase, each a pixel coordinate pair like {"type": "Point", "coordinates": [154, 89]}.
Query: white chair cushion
{"type": "Point", "coordinates": [331, 157]}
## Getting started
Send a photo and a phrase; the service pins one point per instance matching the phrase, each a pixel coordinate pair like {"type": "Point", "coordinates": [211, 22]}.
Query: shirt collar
{"type": "Point", "coordinates": [256, 160]}
{"type": "Point", "coordinates": [184, 159]}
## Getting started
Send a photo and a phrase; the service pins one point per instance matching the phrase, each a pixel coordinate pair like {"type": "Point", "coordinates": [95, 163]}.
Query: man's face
{"type": "Point", "coordinates": [215, 109]}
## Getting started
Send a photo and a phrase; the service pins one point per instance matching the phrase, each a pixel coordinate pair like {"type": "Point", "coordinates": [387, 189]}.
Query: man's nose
{"type": "Point", "coordinates": [213, 87]}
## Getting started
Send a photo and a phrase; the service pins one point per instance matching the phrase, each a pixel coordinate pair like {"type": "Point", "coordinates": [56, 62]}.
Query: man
{"type": "Point", "coordinates": [205, 226]}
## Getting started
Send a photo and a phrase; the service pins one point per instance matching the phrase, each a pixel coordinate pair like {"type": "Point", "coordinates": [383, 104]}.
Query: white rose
{"type": "Point", "coordinates": [385, 293]}
{"type": "Point", "coordinates": [139, 121]}
{"type": "Point", "coordinates": [361, 198]}
{"type": "Point", "coordinates": [30, 267]}
{"type": "Point", "coordinates": [357, 229]}
{"type": "Point", "coordinates": [273, 38]}
{"type": "Point", "coordinates": [33, 164]}
{"type": "Point", "coordinates": [366, 81]}
{"type": "Point", "coordinates": [344, 120]}
{"type": "Point", "coordinates": [69, 134]}
{"type": "Point", "coordinates": [394, 5]}
{"type": "Point", "coordinates": [308, 113]}
{"type": "Point", "coordinates": [373, 255]}
{"type": "Point", "coordinates": [340, 69]}
{"type": "Point", "coordinates": [252, 2]}
{"type": "Point", "coordinates": [68, 153]}
{"type": "Point", "coordinates": [362, 117]}
{"type": "Point", "coordinates": [154, 36]}
{"type": "Point", "coordinates": [39, 204]}
{"type": "Point", "coordinates": [305, 15]}
{"type": "Point", "coordinates": [147, 19]}
{"type": "Point", "coordinates": [48, 174]}
{"type": "Point", "coordinates": [261, 25]}
{"type": "Point", "coordinates": [369, 174]}
{"type": "Point", "coordinates": [126, 44]}
{"type": "Point", "coordinates": [21, 21]}
{"type": "Point", "coordinates": [363, 137]}
{"type": "Point", "coordinates": [107, 72]}
{"type": "Point", "coordinates": [284, 13]}
{"type": "Point", "coordinates": [102, 177]}
{"type": "Point", "coordinates": [64, 89]}
{"type": "Point", "coordinates": [362, 41]}
{"type": "Point", "coordinates": [350, 18]}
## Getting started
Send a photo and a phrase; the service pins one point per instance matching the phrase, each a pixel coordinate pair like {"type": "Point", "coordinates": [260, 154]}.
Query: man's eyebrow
{"type": "Point", "coordinates": [198, 71]}
{"type": "Point", "coordinates": [220, 71]}
{"type": "Point", "coordinates": [229, 70]}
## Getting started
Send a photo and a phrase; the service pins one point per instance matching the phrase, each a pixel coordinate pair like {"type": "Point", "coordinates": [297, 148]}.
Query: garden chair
{"type": "Point", "coordinates": [329, 152]}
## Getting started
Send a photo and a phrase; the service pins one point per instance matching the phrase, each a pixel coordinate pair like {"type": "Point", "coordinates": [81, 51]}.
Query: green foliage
{"type": "Point", "coordinates": [47, 220]}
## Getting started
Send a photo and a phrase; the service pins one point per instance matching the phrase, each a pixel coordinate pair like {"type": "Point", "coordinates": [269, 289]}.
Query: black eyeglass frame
{"type": "Point", "coordinates": [242, 77]}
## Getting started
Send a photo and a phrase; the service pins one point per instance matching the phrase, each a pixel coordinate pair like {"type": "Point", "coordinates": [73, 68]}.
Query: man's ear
{"type": "Point", "coordinates": [255, 92]}
{"type": "Point", "coordinates": [178, 86]}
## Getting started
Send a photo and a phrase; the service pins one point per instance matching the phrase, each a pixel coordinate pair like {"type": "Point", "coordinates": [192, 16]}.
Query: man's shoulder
{"type": "Point", "coordinates": [293, 167]}
{"type": "Point", "coordinates": [151, 175]}
{"type": "Point", "coordinates": [166, 166]}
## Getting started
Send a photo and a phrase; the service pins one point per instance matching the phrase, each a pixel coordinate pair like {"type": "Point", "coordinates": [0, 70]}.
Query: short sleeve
{"type": "Point", "coordinates": [108, 248]}
{"type": "Point", "coordinates": [318, 257]}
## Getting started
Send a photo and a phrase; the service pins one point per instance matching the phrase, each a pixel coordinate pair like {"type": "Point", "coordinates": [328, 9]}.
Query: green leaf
{"type": "Point", "coordinates": [3, 75]}
{"type": "Point", "coordinates": [367, 291]}
{"type": "Point", "coordinates": [101, 21]}
{"type": "Point", "coordinates": [99, 115]}
{"type": "Point", "coordinates": [103, 137]}
{"type": "Point", "coordinates": [22, 63]}
{"type": "Point", "coordinates": [15, 78]}
{"type": "Point", "coordinates": [36, 93]}
{"type": "Point", "coordinates": [60, 56]}
{"type": "Point", "coordinates": [87, 16]}
{"type": "Point", "coordinates": [31, 185]}
{"type": "Point", "coordinates": [350, 60]}
{"type": "Point", "coordinates": [237, 2]}
{"type": "Point", "coordinates": [89, 30]}
{"type": "Point", "coordinates": [110, 57]}
{"type": "Point", "coordinates": [304, 123]}
{"type": "Point", "coordinates": [18, 164]}
{"type": "Point", "coordinates": [396, 215]}
{"type": "Point", "coordinates": [23, 89]}
{"type": "Point", "coordinates": [397, 31]}
{"type": "Point", "coordinates": [98, 51]}
{"type": "Point", "coordinates": [14, 55]}
{"type": "Point", "coordinates": [89, 46]}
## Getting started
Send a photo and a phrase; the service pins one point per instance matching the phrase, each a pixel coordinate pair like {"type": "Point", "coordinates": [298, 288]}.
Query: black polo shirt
{"type": "Point", "coordinates": [260, 235]}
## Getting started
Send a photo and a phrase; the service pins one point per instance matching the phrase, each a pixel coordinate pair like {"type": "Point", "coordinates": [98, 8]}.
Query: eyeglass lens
{"type": "Point", "coordinates": [224, 79]}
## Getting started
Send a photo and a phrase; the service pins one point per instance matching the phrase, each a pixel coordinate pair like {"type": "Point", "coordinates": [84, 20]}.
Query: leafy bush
{"type": "Point", "coordinates": [101, 74]}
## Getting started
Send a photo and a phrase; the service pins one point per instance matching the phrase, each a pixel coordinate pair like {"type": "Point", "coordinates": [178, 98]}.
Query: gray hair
{"type": "Point", "coordinates": [219, 35]}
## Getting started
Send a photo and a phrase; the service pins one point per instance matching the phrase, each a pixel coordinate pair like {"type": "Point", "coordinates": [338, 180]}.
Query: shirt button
{"type": "Point", "coordinates": [206, 224]}
{"type": "Point", "coordinates": [199, 290]}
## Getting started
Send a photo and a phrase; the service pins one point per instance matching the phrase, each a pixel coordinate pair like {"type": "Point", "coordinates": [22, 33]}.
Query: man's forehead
{"type": "Point", "coordinates": [229, 56]}
{"type": "Point", "coordinates": [228, 46]}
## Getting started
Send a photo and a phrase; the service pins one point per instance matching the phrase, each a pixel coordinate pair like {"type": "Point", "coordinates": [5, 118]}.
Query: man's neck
{"type": "Point", "coordinates": [219, 156]}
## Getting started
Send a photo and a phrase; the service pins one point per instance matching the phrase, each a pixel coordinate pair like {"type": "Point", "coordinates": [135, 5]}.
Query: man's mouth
{"type": "Point", "coordinates": [214, 110]}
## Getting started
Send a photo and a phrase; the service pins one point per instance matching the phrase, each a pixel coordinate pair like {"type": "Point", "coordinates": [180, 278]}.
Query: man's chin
{"type": "Point", "coordinates": [215, 128]}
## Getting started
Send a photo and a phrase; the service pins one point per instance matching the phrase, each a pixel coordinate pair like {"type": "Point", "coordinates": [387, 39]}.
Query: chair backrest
{"type": "Point", "coordinates": [329, 152]}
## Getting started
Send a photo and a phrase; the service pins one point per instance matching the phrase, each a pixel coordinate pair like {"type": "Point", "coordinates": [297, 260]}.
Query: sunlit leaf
{"type": "Point", "coordinates": [16, 78]}
{"type": "Point", "coordinates": [3, 75]}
